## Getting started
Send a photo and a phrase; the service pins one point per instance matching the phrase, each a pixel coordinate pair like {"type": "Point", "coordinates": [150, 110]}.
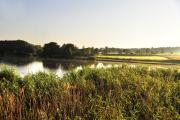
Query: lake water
{"type": "Point", "coordinates": [30, 65]}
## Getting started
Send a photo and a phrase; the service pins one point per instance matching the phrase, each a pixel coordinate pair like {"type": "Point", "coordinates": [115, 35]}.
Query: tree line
{"type": "Point", "coordinates": [139, 51]}
{"type": "Point", "coordinates": [54, 50]}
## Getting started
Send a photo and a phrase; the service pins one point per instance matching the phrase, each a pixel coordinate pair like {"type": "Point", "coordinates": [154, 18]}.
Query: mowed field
{"type": "Point", "coordinates": [154, 59]}
{"type": "Point", "coordinates": [173, 57]}
{"type": "Point", "coordinates": [134, 57]}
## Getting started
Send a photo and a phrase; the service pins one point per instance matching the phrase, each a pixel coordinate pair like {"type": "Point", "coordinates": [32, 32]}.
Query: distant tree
{"type": "Point", "coordinates": [120, 51]}
{"type": "Point", "coordinates": [68, 50]}
{"type": "Point", "coordinates": [87, 52]}
{"type": "Point", "coordinates": [147, 51]}
{"type": "Point", "coordinates": [106, 50]}
{"type": "Point", "coordinates": [38, 50]}
{"type": "Point", "coordinates": [95, 51]}
{"type": "Point", "coordinates": [24, 48]}
{"type": "Point", "coordinates": [162, 50]}
{"type": "Point", "coordinates": [51, 49]}
{"type": "Point", "coordinates": [18, 47]}
{"type": "Point", "coordinates": [127, 51]}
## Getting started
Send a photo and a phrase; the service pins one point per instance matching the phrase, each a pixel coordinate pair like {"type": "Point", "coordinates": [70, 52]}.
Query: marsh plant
{"type": "Point", "coordinates": [90, 93]}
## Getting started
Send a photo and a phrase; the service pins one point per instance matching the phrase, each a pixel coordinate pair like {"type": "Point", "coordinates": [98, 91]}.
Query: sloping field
{"type": "Point", "coordinates": [173, 57]}
{"type": "Point", "coordinates": [135, 57]}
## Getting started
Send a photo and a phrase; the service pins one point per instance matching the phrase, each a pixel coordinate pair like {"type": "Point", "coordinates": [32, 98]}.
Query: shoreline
{"type": "Point", "coordinates": [97, 59]}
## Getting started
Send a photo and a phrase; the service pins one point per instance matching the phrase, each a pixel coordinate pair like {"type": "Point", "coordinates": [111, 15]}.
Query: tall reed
{"type": "Point", "coordinates": [122, 93]}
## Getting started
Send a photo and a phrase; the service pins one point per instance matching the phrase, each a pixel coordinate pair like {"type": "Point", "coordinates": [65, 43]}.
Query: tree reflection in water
{"type": "Point", "coordinates": [33, 65]}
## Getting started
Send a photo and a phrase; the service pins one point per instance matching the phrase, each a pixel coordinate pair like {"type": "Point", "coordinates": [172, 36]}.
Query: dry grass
{"type": "Point", "coordinates": [134, 57]}
{"type": "Point", "coordinates": [174, 57]}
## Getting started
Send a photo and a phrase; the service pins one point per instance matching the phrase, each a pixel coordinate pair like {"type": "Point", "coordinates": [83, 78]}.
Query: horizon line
{"type": "Point", "coordinates": [92, 46]}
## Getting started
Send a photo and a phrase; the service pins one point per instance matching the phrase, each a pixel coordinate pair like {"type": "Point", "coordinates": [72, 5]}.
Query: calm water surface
{"type": "Point", "coordinates": [32, 65]}
{"type": "Point", "coordinates": [24, 66]}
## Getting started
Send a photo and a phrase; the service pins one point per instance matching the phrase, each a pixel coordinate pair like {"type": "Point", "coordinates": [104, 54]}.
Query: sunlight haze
{"type": "Point", "coordinates": [98, 23]}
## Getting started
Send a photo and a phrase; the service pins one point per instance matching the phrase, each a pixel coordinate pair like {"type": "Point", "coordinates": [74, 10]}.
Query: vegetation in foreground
{"type": "Point", "coordinates": [122, 93]}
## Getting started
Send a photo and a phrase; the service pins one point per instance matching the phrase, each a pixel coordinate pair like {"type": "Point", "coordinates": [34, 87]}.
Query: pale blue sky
{"type": "Point", "coordinates": [99, 23]}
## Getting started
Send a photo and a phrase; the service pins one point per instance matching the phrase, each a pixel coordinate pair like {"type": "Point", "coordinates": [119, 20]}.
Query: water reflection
{"type": "Point", "coordinates": [26, 65]}
{"type": "Point", "coordinates": [17, 61]}
{"type": "Point", "coordinates": [33, 65]}
{"type": "Point", "coordinates": [50, 64]}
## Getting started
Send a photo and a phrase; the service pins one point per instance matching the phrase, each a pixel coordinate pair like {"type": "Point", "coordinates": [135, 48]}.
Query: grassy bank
{"type": "Point", "coordinates": [134, 57]}
{"type": "Point", "coordinates": [92, 93]}
{"type": "Point", "coordinates": [151, 59]}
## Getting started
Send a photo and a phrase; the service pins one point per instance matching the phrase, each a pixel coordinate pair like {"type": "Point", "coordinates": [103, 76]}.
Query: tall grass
{"type": "Point", "coordinates": [122, 93]}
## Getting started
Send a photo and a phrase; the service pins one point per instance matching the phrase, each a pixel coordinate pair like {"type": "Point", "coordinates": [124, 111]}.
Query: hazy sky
{"type": "Point", "coordinates": [99, 23]}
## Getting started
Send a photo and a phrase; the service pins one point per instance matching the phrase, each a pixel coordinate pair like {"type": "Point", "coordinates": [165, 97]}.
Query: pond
{"type": "Point", "coordinates": [32, 65]}
{"type": "Point", "coordinates": [24, 66]}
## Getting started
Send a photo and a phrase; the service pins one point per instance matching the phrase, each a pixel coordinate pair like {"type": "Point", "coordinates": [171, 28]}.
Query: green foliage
{"type": "Point", "coordinates": [18, 47]}
{"type": "Point", "coordinates": [8, 74]}
{"type": "Point", "coordinates": [122, 93]}
{"type": "Point", "coordinates": [140, 51]}
{"type": "Point", "coordinates": [68, 50]}
{"type": "Point", "coordinates": [51, 49]}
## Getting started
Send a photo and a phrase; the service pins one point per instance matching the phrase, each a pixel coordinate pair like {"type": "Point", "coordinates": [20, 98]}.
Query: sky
{"type": "Point", "coordinates": [98, 23]}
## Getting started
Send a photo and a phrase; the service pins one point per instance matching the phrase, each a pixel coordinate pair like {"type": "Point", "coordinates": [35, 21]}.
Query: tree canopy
{"type": "Point", "coordinates": [54, 50]}
{"type": "Point", "coordinates": [18, 47]}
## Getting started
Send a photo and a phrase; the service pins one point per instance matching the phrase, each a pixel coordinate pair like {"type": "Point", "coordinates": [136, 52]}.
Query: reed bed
{"type": "Point", "coordinates": [114, 93]}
